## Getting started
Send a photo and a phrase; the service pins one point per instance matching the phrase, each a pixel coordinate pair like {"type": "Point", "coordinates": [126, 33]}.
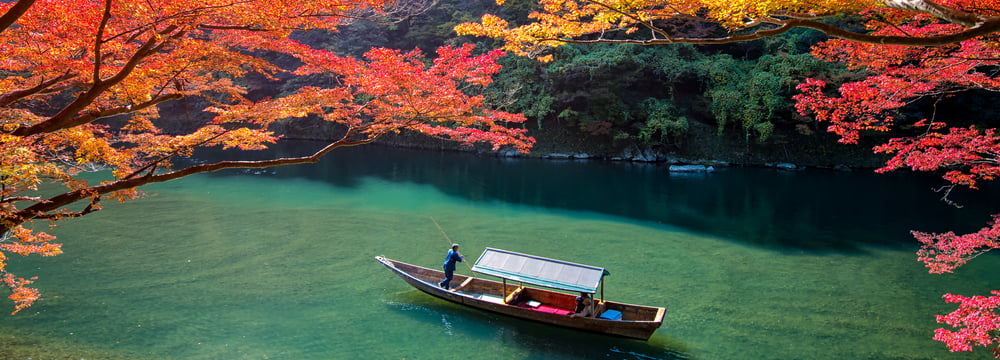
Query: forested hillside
{"type": "Point", "coordinates": [686, 103]}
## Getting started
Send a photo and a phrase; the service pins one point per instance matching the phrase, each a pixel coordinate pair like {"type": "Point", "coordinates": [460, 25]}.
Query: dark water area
{"type": "Point", "coordinates": [813, 209]}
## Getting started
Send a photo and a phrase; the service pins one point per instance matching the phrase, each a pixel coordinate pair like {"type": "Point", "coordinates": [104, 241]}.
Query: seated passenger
{"type": "Point", "coordinates": [584, 306]}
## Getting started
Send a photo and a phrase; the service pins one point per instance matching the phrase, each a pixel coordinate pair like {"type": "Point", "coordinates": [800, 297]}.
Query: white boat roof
{"type": "Point", "coordinates": [540, 271]}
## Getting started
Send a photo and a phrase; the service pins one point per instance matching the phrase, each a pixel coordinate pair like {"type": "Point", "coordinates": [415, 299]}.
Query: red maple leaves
{"type": "Point", "coordinates": [943, 253]}
{"type": "Point", "coordinates": [976, 320]}
{"type": "Point", "coordinates": [91, 60]}
{"type": "Point", "coordinates": [966, 155]}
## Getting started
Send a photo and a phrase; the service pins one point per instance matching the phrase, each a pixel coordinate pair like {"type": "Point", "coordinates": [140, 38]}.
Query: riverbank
{"type": "Point", "coordinates": [701, 146]}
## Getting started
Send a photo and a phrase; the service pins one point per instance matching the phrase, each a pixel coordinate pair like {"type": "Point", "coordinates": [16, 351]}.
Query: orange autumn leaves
{"type": "Point", "coordinates": [396, 91]}
{"type": "Point", "coordinates": [391, 91]}
{"type": "Point", "coordinates": [69, 65]}
{"type": "Point", "coordinates": [649, 22]}
{"type": "Point", "coordinates": [23, 242]}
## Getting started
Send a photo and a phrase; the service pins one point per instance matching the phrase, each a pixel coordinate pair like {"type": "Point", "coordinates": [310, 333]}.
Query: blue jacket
{"type": "Point", "coordinates": [449, 261]}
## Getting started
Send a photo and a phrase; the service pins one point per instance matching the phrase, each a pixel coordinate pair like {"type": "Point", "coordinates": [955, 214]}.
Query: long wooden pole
{"type": "Point", "coordinates": [452, 244]}
{"type": "Point", "coordinates": [442, 231]}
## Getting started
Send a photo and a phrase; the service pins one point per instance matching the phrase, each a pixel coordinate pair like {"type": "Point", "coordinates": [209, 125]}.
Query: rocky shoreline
{"type": "Point", "coordinates": [675, 161]}
{"type": "Point", "coordinates": [702, 146]}
{"type": "Point", "coordinates": [677, 164]}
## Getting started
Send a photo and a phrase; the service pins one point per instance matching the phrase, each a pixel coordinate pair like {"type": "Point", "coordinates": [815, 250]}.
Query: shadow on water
{"type": "Point", "coordinates": [541, 341]}
{"type": "Point", "coordinates": [763, 207]}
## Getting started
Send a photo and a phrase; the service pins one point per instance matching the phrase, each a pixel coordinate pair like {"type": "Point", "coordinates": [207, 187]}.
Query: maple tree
{"type": "Point", "coordinates": [67, 65]}
{"type": "Point", "coordinates": [911, 49]}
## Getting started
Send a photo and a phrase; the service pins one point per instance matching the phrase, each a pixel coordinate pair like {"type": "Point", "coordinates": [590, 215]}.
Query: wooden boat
{"type": "Point", "coordinates": [532, 303]}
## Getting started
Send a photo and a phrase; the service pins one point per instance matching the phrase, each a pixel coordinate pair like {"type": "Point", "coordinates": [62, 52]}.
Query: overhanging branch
{"type": "Point", "coordinates": [44, 209]}
{"type": "Point", "coordinates": [988, 26]}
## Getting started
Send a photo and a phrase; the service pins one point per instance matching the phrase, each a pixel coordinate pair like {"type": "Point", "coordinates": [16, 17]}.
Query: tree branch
{"type": "Point", "coordinates": [152, 165]}
{"type": "Point", "coordinates": [19, 198]}
{"type": "Point", "coordinates": [15, 12]}
{"type": "Point", "coordinates": [92, 207]}
{"type": "Point", "coordinates": [11, 97]}
{"type": "Point", "coordinates": [42, 209]}
{"type": "Point", "coordinates": [988, 26]}
{"type": "Point", "coordinates": [70, 115]}
{"type": "Point", "coordinates": [99, 41]}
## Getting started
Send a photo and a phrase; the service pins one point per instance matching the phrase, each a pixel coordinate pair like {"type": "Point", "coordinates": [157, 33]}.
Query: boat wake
{"type": "Point", "coordinates": [633, 354]}
{"type": "Point", "coordinates": [447, 325]}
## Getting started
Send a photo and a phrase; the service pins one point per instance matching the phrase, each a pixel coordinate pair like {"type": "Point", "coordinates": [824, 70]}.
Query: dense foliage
{"type": "Point", "coordinates": [649, 95]}
{"type": "Point", "coordinates": [610, 93]}
{"type": "Point", "coordinates": [72, 69]}
{"type": "Point", "coordinates": [909, 50]}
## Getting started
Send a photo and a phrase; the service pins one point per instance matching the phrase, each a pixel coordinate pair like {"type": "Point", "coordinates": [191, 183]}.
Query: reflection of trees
{"type": "Point", "coordinates": [805, 209]}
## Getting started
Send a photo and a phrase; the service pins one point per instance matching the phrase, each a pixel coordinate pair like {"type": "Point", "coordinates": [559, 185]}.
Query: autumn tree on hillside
{"type": "Point", "coordinates": [912, 50]}
{"type": "Point", "coordinates": [66, 65]}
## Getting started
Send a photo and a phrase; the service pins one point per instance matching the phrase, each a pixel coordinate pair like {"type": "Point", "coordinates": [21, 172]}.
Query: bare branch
{"type": "Point", "coordinates": [20, 198]}
{"type": "Point", "coordinates": [947, 191]}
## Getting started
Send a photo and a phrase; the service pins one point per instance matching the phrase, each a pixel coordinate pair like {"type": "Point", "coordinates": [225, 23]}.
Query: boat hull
{"type": "Point", "coordinates": [637, 321]}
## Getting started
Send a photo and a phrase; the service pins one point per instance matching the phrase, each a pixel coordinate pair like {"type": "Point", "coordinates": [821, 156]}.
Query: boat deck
{"type": "Point", "coordinates": [484, 297]}
{"type": "Point", "coordinates": [551, 307]}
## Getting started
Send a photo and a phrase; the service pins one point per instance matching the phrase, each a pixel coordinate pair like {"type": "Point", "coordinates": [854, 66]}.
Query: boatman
{"type": "Point", "coordinates": [449, 266]}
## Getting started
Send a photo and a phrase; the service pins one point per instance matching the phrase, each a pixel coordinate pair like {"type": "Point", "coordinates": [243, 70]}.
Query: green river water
{"type": "Point", "coordinates": [749, 263]}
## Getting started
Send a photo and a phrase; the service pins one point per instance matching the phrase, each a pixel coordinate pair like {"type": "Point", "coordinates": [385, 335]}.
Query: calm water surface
{"type": "Point", "coordinates": [750, 263]}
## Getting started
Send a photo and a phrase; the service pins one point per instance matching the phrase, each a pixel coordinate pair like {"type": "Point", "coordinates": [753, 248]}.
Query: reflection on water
{"type": "Point", "coordinates": [813, 209]}
{"type": "Point", "coordinates": [280, 265]}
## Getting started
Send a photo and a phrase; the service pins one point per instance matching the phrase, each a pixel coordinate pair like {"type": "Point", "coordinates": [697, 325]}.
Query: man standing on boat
{"type": "Point", "coordinates": [449, 266]}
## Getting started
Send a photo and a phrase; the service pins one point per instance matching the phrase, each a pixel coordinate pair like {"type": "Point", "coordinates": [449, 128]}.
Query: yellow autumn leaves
{"type": "Point", "coordinates": [564, 21]}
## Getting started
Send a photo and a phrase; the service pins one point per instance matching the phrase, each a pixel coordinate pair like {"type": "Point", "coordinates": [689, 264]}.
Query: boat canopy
{"type": "Point", "coordinates": [536, 270]}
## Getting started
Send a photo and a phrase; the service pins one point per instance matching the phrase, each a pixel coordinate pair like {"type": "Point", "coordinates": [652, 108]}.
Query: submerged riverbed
{"type": "Point", "coordinates": [749, 263]}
